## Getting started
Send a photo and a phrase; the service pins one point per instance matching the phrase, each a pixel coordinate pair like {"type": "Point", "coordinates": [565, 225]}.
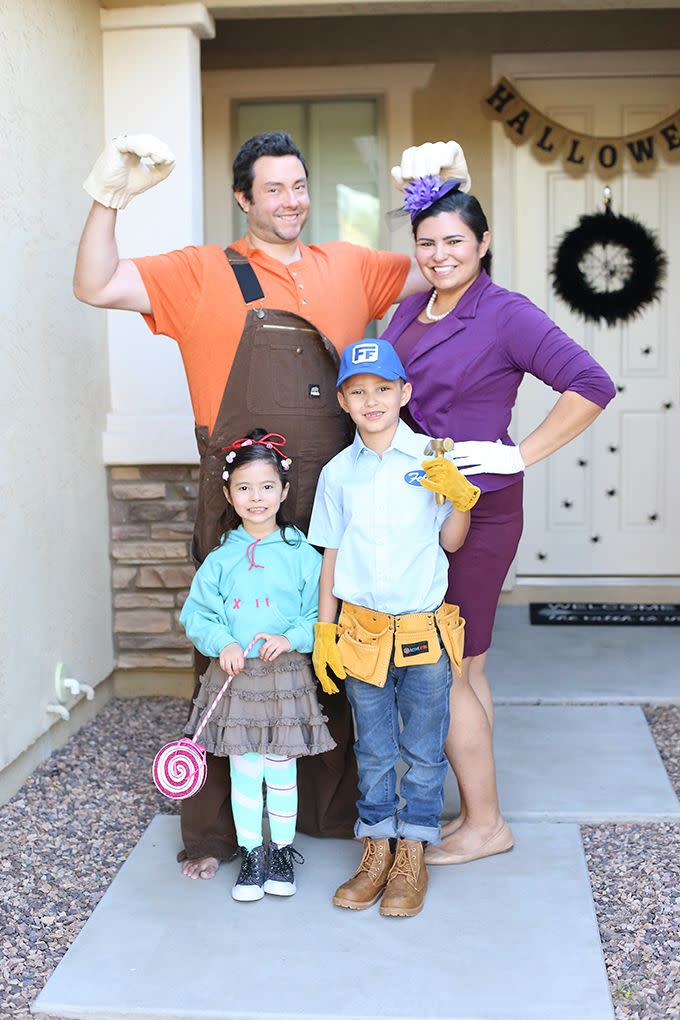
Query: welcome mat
{"type": "Point", "coordinates": [606, 614]}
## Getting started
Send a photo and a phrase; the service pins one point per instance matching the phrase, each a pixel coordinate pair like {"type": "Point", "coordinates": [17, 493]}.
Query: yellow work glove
{"type": "Point", "coordinates": [326, 654]}
{"type": "Point", "coordinates": [445, 478]}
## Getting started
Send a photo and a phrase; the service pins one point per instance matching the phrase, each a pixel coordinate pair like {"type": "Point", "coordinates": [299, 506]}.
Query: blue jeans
{"type": "Point", "coordinates": [420, 695]}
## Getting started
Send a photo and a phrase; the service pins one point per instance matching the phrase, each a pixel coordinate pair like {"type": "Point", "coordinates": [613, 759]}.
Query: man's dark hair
{"type": "Point", "coordinates": [269, 143]}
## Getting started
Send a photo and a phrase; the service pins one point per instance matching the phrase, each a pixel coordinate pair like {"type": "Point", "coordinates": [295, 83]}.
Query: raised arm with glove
{"type": "Point", "coordinates": [444, 477]}
{"type": "Point", "coordinates": [445, 159]}
{"type": "Point", "coordinates": [129, 165]}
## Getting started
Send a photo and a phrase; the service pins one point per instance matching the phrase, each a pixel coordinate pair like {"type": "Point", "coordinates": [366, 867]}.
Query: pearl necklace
{"type": "Point", "coordinates": [430, 305]}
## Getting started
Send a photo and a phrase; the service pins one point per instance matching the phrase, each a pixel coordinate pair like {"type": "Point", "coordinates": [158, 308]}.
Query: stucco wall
{"type": "Point", "coordinates": [54, 567]}
{"type": "Point", "coordinates": [460, 45]}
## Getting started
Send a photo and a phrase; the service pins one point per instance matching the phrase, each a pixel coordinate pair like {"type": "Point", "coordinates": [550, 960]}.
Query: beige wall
{"type": "Point", "coordinates": [461, 46]}
{"type": "Point", "coordinates": [54, 568]}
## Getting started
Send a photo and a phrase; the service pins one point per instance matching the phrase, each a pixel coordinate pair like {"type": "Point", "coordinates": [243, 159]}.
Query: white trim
{"type": "Point", "coordinates": [192, 15]}
{"type": "Point", "coordinates": [149, 439]}
{"type": "Point", "coordinates": [596, 581]}
{"type": "Point", "coordinates": [392, 84]}
{"type": "Point", "coordinates": [338, 8]}
{"type": "Point", "coordinates": [152, 81]}
{"type": "Point", "coordinates": [581, 64]}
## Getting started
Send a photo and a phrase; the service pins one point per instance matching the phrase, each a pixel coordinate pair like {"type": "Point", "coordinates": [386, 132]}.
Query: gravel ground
{"type": "Point", "coordinates": [68, 830]}
{"type": "Point", "coordinates": [635, 878]}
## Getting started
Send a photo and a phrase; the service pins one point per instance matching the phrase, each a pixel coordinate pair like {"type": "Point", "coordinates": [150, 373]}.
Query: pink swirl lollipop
{"type": "Point", "coordinates": [179, 768]}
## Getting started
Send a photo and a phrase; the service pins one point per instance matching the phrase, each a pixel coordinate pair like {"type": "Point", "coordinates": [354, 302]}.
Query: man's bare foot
{"type": "Point", "coordinates": [200, 867]}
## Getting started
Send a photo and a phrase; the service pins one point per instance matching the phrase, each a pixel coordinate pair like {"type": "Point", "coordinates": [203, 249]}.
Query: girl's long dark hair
{"type": "Point", "coordinates": [470, 212]}
{"type": "Point", "coordinates": [230, 520]}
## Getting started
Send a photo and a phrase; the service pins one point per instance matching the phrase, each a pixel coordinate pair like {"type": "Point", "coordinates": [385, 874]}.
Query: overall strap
{"type": "Point", "coordinates": [245, 275]}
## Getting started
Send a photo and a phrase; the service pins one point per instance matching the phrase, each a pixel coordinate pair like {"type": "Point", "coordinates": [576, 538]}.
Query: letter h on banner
{"type": "Point", "coordinates": [501, 96]}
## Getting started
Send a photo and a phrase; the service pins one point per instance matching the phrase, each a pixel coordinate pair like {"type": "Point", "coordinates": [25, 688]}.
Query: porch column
{"type": "Point", "coordinates": [152, 84]}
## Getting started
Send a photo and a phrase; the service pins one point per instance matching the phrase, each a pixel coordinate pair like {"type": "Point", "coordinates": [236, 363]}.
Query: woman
{"type": "Point", "coordinates": [466, 346]}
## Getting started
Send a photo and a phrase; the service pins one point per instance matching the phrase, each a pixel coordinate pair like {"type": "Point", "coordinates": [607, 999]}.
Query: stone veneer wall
{"type": "Point", "coordinates": [152, 511]}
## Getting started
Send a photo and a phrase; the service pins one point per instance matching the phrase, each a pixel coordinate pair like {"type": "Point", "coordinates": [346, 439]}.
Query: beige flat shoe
{"type": "Point", "coordinates": [454, 825]}
{"type": "Point", "coordinates": [499, 843]}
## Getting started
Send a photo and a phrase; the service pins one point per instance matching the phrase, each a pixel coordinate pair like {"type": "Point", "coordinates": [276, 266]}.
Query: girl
{"type": "Point", "coordinates": [261, 583]}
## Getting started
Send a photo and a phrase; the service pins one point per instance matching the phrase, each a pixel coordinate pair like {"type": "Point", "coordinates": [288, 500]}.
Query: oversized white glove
{"type": "Point", "coordinates": [129, 165]}
{"type": "Point", "coordinates": [444, 158]}
{"type": "Point", "coordinates": [482, 457]}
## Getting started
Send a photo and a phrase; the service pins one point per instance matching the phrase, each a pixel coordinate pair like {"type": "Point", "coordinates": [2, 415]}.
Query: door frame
{"type": "Point", "coordinates": [581, 64]}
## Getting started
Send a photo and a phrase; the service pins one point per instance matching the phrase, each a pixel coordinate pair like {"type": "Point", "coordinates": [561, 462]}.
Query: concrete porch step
{"type": "Point", "coordinates": [530, 665]}
{"type": "Point", "coordinates": [510, 938]}
{"type": "Point", "coordinates": [577, 763]}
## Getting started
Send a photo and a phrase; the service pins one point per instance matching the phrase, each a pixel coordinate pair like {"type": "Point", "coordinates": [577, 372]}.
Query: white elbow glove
{"type": "Point", "coordinates": [481, 457]}
{"type": "Point", "coordinates": [444, 158]}
{"type": "Point", "coordinates": [129, 165]}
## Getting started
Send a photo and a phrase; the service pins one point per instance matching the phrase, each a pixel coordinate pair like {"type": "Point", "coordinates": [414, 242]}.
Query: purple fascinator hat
{"type": "Point", "coordinates": [420, 194]}
{"type": "Point", "coordinates": [423, 192]}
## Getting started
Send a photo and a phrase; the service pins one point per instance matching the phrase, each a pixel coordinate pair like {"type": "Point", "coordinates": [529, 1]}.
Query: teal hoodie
{"type": "Point", "coordinates": [245, 587]}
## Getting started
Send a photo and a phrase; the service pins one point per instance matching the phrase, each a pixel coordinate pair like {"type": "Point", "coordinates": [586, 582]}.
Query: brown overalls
{"type": "Point", "coordinates": [283, 380]}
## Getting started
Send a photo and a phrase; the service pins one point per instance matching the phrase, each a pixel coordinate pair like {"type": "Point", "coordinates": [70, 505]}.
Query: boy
{"type": "Point", "coordinates": [384, 535]}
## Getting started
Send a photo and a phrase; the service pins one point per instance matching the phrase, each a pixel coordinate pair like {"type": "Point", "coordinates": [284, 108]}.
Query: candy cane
{"type": "Point", "coordinates": [218, 698]}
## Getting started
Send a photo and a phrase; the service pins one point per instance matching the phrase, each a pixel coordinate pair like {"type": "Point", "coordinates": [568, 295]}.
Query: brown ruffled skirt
{"type": "Point", "coordinates": [269, 707]}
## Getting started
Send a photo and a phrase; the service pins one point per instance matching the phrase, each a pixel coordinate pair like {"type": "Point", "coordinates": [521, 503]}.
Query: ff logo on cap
{"type": "Point", "coordinates": [363, 354]}
{"type": "Point", "coordinates": [370, 357]}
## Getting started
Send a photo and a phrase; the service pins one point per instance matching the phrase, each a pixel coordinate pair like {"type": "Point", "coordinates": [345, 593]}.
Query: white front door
{"type": "Point", "coordinates": [609, 503]}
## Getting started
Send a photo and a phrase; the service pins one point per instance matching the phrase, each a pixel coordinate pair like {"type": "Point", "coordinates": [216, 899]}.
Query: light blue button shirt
{"type": "Point", "coordinates": [385, 526]}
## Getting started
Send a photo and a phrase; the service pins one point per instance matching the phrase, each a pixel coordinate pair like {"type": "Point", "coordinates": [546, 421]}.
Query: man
{"type": "Point", "coordinates": [259, 327]}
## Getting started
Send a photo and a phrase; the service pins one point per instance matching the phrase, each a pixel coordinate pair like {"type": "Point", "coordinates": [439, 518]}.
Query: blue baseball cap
{"type": "Point", "coordinates": [370, 357]}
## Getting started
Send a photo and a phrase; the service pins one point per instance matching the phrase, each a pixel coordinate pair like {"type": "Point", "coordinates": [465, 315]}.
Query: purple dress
{"type": "Point", "coordinates": [465, 371]}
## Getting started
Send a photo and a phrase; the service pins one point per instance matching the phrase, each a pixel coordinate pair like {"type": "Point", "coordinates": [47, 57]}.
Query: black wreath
{"type": "Point", "coordinates": [639, 284]}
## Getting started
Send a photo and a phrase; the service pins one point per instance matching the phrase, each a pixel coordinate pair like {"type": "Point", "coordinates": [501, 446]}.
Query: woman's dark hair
{"type": "Point", "coordinates": [230, 520]}
{"type": "Point", "coordinates": [269, 143]}
{"type": "Point", "coordinates": [470, 212]}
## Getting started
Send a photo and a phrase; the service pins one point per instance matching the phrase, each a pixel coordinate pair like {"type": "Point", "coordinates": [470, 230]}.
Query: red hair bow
{"type": "Point", "coordinates": [272, 440]}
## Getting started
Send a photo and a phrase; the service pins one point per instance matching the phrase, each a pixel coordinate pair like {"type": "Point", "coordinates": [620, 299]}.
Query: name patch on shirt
{"type": "Point", "coordinates": [412, 477]}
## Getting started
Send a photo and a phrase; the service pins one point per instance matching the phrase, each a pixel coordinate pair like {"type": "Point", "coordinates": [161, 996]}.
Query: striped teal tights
{"type": "Point", "coordinates": [280, 775]}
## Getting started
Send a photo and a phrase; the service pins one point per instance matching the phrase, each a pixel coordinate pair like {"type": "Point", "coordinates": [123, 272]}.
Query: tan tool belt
{"type": "Point", "coordinates": [368, 639]}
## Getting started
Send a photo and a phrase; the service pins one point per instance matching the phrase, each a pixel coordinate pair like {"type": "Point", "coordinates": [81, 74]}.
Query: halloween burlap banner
{"type": "Point", "coordinates": [549, 141]}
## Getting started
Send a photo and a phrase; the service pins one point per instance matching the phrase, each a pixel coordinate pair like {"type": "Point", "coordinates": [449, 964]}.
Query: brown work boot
{"type": "Point", "coordinates": [407, 881]}
{"type": "Point", "coordinates": [368, 881]}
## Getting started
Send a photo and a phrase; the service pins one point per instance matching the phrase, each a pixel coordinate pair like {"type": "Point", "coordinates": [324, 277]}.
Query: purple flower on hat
{"type": "Point", "coordinates": [421, 193]}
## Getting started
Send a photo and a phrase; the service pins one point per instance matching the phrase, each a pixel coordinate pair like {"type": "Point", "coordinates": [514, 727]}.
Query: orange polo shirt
{"type": "Point", "coordinates": [196, 301]}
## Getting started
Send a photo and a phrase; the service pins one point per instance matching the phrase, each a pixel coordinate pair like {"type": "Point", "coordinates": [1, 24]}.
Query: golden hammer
{"type": "Point", "coordinates": [437, 448]}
